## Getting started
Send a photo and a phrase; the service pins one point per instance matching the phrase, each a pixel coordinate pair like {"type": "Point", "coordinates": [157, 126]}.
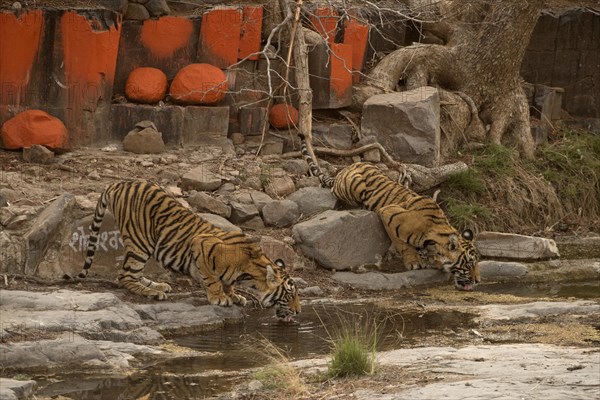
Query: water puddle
{"type": "Point", "coordinates": [578, 290]}
{"type": "Point", "coordinates": [233, 348]}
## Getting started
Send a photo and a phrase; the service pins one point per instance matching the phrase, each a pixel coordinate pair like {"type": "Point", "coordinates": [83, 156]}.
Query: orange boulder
{"type": "Point", "coordinates": [199, 84]}
{"type": "Point", "coordinates": [34, 127]}
{"type": "Point", "coordinates": [146, 85]}
{"type": "Point", "coordinates": [283, 116]}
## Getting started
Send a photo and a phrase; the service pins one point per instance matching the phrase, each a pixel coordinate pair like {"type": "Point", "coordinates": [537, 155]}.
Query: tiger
{"type": "Point", "coordinates": [153, 223]}
{"type": "Point", "coordinates": [416, 225]}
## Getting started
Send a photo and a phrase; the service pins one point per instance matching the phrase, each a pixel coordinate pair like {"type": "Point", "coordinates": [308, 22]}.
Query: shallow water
{"type": "Point", "coordinates": [234, 348]}
{"type": "Point", "coordinates": [578, 289]}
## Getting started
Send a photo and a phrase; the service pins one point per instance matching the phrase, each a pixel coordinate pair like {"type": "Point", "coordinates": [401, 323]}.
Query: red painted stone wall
{"type": "Point", "coordinates": [19, 44]}
{"type": "Point", "coordinates": [220, 32]}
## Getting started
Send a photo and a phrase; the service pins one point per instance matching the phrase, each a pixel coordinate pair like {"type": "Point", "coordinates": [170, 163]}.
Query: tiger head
{"type": "Point", "coordinates": [273, 286]}
{"type": "Point", "coordinates": [456, 254]}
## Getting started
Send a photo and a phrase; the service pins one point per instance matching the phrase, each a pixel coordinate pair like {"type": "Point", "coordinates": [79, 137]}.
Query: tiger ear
{"type": "Point", "coordinates": [271, 277]}
{"type": "Point", "coordinates": [253, 250]}
{"type": "Point", "coordinates": [453, 243]}
{"type": "Point", "coordinates": [467, 234]}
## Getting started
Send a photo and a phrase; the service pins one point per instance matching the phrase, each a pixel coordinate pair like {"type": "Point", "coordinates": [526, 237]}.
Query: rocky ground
{"type": "Point", "coordinates": [519, 345]}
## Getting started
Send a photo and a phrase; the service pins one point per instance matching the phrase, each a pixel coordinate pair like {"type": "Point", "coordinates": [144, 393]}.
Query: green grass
{"type": "Point", "coordinates": [495, 160]}
{"type": "Point", "coordinates": [352, 356]}
{"type": "Point", "coordinates": [354, 343]}
{"type": "Point", "coordinates": [468, 182]}
{"type": "Point", "coordinates": [466, 215]}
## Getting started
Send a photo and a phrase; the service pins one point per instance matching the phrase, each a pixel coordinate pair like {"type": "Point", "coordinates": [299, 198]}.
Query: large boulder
{"type": "Point", "coordinates": [283, 116]}
{"type": "Point", "coordinates": [342, 240]}
{"type": "Point", "coordinates": [280, 213]}
{"type": "Point", "coordinates": [407, 124]}
{"type": "Point", "coordinates": [146, 85]}
{"type": "Point", "coordinates": [144, 140]}
{"type": "Point", "coordinates": [34, 127]}
{"type": "Point", "coordinates": [199, 84]}
{"type": "Point", "coordinates": [515, 247]}
{"type": "Point", "coordinates": [312, 200]}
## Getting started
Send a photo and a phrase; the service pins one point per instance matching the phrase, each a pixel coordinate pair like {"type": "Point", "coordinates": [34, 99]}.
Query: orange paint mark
{"type": "Point", "coordinates": [90, 55]}
{"type": "Point", "coordinates": [90, 60]}
{"type": "Point", "coordinates": [341, 71]}
{"type": "Point", "coordinates": [251, 30]}
{"type": "Point", "coordinates": [220, 36]}
{"type": "Point", "coordinates": [166, 35]}
{"type": "Point", "coordinates": [19, 42]}
{"type": "Point", "coordinates": [325, 21]}
{"type": "Point", "coordinates": [356, 34]}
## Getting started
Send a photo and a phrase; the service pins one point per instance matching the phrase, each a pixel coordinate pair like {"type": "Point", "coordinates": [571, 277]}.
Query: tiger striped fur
{"type": "Point", "coordinates": [154, 224]}
{"type": "Point", "coordinates": [416, 225]}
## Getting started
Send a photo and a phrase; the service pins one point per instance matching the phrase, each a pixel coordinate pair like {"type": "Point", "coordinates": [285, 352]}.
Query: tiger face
{"type": "Point", "coordinates": [466, 267]}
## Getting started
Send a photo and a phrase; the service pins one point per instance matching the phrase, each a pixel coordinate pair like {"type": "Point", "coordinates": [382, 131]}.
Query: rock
{"type": "Point", "coordinates": [383, 281]}
{"type": "Point", "coordinates": [68, 350]}
{"type": "Point", "coordinates": [296, 167]}
{"type": "Point", "coordinates": [37, 154]}
{"type": "Point", "coordinates": [206, 126]}
{"type": "Point", "coordinates": [226, 189]}
{"type": "Point", "coordinates": [256, 197]}
{"type": "Point", "coordinates": [8, 196]}
{"type": "Point", "coordinates": [372, 156]}
{"type": "Point", "coordinates": [342, 240]}
{"type": "Point", "coordinates": [280, 186]}
{"type": "Point", "coordinates": [205, 203]}
{"type": "Point", "coordinates": [11, 389]}
{"type": "Point", "coordinates": [338, 136]}
{"type": "Point", "coordinates": [241, 212]}
{"type": "Point", "coordinates": [270, 147]}
{"type": "Point", "coordinates": [515, 247]}
{"type": "Point", "coordinates": [276, 249]}
{"type": "Point", "coordinates": [94, 175]}
{"type": "Point", "coordinates": [177, 317]}
{"type": "Point", "coordinates": [406, 123]}
{"type": "Point", "coordinates": [136, 12]}
{"type": "Point", "coordinates": [43, 230]}
{"type": "Point", "coordinates": [308, 181]}
{"type": "Point", "coordinates": [255, 385]}
{"type": "Point", "coordinates": [280, 213]}
{"type": "Point", "coordinates": [146, 85]}
{"type": "Point", "coordinates": [201, 178]}
{"type": "Point", "coordinates": [199, 84]}
{"type": "Point", "coordinates": [34, 127]}
{"type": "Point", "coordinates": [65, 311]}
{"type": "Point", "coordinates": [254, 224]}
{"type": "Point", "coordinates": [502, 269]}
{"type": "Point", "coordinates": [219, 222]}
{"type": "Point", "coordinates": [536, 309]}
{"type": "Point", "coordinates": [12, 253]}
{"type": "Point", "coordinates": [312, 200]}
{"type": "Point", "coordinates": [311, 291]}
{"type": "Point", "coordinates": [508, 370]}
{"type": "Point", "coordinates": [156, 8]}
{"type": "Point", "coordinates": [146, 141]}
{"type": "Point", "coordinates": [283, 116]}
{"type": "Point", "coordinates": [237, 138]}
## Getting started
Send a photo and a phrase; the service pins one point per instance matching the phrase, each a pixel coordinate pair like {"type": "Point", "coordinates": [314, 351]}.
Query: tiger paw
{"type": "Point", "coordinates": [221, 300]}
{"type": "Point", "coordinates": [159, 295]}
{"type": "Point", "coordinates": [239, 300]}
{"type": "Point", "coordinates": [163, 287]}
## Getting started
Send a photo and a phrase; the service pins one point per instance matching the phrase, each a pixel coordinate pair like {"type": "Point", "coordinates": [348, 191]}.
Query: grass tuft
{"type": "Point", "coordinates": [279, 374]}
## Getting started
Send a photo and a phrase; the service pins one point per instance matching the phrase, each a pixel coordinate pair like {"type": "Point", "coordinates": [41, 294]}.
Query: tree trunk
{"type": "Point", "coordinates": [480, 61]}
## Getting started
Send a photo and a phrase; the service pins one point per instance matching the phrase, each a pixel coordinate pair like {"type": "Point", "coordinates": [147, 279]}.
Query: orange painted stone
{"type": "Point", "coordinates": [146, 85]}
{"type": "Point", "coordinates": [34, 127]}
{"type": "Point", "coordinates": [199, 84]}
{"type": "Point", "coordinates": [283, 116]}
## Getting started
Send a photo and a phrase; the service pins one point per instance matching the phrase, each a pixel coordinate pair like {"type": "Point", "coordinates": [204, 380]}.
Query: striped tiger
{"type": "Point", "coordinates": [416, 225]}
{"type": "Point", "coordinates": [154, 224]}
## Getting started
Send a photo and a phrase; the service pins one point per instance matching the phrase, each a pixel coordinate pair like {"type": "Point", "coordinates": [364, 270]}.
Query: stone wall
{"type": "Point", "coordinates": [564, 51]}
{"type": "Point", "coordinates": [73, 64]}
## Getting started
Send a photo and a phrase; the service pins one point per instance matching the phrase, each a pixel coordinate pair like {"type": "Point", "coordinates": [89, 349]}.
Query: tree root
{"type": "Point", "coordinates": [419, 177]}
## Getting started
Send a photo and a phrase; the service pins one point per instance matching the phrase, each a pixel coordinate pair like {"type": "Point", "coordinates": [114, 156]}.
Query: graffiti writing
{"type": "Point", "coordinates": [110, 240]}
